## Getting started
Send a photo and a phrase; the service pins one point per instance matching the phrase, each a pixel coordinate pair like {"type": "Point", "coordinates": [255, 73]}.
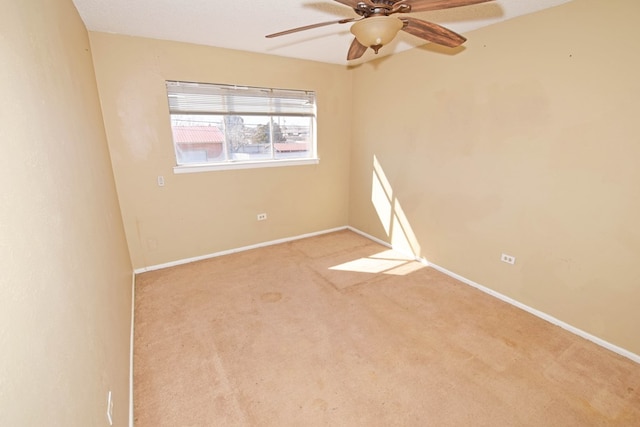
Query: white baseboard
{"type": "Point", "coordinates": [616, 349]}
{"type": "Point", "coordinates": [599, 341]}
{"type": "Point", "coordinates": [133, 305]}
{"type": "Point", "coordinates": [370, 237]}
{"type": "Point", "coordinates": [232, 251]}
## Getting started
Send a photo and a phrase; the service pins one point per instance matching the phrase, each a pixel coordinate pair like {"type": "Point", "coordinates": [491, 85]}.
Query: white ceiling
{"type": "Point", "coordinates": [242, 24]}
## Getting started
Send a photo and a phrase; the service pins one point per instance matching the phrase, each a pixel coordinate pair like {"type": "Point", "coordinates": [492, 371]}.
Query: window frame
{"type": "Point", "coordinates": [214, 100]}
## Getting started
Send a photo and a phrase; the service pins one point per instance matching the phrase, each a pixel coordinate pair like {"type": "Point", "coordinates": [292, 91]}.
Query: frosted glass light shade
{"type": "Point", "coordinates": [376, 31]}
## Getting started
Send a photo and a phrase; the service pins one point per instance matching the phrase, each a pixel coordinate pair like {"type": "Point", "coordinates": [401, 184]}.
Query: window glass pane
{"type": "Point", "coordinates": [293, 137]}
{"type": "Point", "coordinates": [249, 138]}
{"type": "Point", "coordinates": [197, 138]}
{"type": "Point", "coordinates": [221, 124]}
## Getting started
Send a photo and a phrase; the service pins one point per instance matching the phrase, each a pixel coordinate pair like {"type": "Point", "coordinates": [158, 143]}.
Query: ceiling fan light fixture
{"type": "Point", "coordinates": [376, 31]}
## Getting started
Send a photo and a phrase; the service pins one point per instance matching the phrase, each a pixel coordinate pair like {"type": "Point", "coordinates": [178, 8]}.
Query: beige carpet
{"type": "Point", "coordinates": [336, 330]}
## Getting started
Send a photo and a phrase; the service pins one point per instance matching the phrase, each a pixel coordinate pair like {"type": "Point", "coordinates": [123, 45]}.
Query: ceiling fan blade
{"type": "Point", "coordinates": [350, 3]}
{"type": "Point", "coordinates": [308, 27]}
{"type": "Point", "coordinates": [356, 50]}
{"type": "Point", "coordinates": [432, 32]}
{"type": "Point", "coordinates": [424, 5]}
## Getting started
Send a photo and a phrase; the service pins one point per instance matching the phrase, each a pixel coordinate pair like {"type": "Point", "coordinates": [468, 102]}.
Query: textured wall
{"type": "Point", "coordinates": [202, 213]}
{"type": "Point", "coordinates": [65, 281]}
{"type": "Point", "coordinates": [525, 142]}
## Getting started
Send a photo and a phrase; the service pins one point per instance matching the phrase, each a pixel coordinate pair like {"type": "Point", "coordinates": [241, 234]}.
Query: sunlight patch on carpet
{"type": "Point", "coordinates": [387, 262]}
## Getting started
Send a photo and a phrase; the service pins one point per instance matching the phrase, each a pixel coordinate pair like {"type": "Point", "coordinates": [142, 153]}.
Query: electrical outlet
{"type": "Point", "coordinates": [508, 259]}
{"type": "Point", "coordinates": [262, 216]}
{"type": "Point", "coordinates": [109, 408]}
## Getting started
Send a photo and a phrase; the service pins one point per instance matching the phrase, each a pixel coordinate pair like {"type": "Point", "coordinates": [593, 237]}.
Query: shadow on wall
{"type": "Point", "coordinates": [391, 215]}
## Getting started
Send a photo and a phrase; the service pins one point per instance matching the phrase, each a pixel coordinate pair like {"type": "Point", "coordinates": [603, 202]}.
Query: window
{"type": "Point", "coordinates": [223, 126]}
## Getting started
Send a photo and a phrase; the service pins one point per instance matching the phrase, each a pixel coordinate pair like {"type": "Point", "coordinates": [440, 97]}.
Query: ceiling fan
{"type": "Point", "coordinates": [376, 27]}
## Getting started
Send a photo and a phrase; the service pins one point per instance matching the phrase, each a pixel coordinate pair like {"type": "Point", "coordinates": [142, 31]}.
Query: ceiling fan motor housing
{"type": "Point", "coordinates": [381, 7]}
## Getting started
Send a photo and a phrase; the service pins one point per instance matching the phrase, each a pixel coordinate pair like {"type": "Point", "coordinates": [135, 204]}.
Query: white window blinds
{"type": "Point", "coordinates": [195, 98]}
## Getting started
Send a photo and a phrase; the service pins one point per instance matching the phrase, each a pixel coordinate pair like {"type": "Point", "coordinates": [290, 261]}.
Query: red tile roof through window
{"type": "Point", "coordinates": [185, 134]}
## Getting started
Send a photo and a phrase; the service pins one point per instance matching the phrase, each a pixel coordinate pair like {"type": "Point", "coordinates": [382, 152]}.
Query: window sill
{"type": "Point", "coordinates": [243, 165]}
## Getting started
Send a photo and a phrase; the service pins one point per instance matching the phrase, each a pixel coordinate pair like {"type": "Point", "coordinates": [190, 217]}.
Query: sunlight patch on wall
{"type": "Point", "coordinates": [387, 262]}
{"type": "Point", "coordinates": [402, 237]}
{"type": "Point", "coordinates": [381, 197]}
{"type": "Point", "coordinates": [391, 214]}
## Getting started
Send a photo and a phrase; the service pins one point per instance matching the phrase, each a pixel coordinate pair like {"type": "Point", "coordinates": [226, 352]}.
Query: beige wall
{"type": "Point", "coordinates": [65, 281]}
{"type": "Point", "coordinates": [203, 213]}
{"type": "Point", "coordinates": [526, 142]}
